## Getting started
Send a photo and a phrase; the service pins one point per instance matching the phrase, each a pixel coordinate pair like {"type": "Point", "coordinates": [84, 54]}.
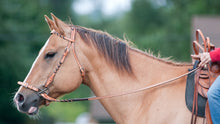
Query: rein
{"type": "Point", "coordinates": [71, 41]}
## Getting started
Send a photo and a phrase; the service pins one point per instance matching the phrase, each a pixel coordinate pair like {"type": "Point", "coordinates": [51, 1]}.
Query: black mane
{"type": "Point", "coordinates": [113, 49]}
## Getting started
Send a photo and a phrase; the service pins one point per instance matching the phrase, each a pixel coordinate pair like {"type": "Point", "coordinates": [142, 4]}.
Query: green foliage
{"type": "Point", "coordinates": [10, 73]}
{"type": "Point", "coordinates": [23, 32]}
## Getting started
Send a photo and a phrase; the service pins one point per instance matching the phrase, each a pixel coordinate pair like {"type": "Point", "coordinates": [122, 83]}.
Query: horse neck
{"type": "Point", "coordinates": [146, 69]}
{"type": "Point", "coordinates": [105, 80]}
{"type": "Point", "coordinates": [151, 69]}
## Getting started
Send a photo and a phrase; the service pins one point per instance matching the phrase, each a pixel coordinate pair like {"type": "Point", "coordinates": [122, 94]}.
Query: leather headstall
{"type": "Point", "coordinates": [44, 92]}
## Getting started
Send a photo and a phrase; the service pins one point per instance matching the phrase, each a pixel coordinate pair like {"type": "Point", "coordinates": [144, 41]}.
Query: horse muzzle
{"type": "Point", "coordinates": [28, 104]}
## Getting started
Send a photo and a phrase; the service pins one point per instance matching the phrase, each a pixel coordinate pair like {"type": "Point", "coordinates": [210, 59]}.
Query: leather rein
{"type": "Point", "coordinates": [71, 41]}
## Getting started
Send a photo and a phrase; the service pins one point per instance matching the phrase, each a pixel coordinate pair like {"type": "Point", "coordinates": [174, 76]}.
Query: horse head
{"type": "Point", "coordinates": [54, 71]}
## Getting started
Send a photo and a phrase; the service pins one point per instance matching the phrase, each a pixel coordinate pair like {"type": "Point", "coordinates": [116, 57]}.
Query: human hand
{"type": "Point", "coordinates": [203, 57]}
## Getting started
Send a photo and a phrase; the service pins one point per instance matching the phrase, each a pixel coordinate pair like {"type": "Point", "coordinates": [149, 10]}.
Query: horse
{"type": "Point", "coordinates": [107, 65]}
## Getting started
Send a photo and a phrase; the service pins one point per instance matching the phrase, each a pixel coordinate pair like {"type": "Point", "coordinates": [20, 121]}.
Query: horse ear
{"type": "Point", "coordinates": [50, 23]}
{"type": "Point", "coordinates": [62, 27]}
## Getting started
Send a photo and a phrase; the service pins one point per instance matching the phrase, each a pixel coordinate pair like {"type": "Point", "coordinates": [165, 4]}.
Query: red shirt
{"type": "Point", "coordinates": [215, 55]}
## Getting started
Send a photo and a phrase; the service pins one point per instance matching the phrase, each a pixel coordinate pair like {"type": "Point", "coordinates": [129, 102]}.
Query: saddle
{"type": "Point", "coordinates": [205, 81]}
{"type": "Point", "coordinates": [207, 76]}
{"type": "Point", "coordinates": [200, 81]}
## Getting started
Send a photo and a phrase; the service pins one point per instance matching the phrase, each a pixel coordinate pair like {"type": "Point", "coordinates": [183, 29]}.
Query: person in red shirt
{"type": "Point", "coordinates": [214, 91]}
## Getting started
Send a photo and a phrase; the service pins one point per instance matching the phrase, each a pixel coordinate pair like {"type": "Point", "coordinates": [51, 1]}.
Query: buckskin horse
{"type": "Point", "coordinates": [75, 55]}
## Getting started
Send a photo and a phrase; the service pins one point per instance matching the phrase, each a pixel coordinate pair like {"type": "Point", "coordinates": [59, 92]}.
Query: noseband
{"type": "Point", "coordinates": [44, 92]}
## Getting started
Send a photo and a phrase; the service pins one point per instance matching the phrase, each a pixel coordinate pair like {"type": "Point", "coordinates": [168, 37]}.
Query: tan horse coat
{"type": "Point", "coordinates": [163, 105]}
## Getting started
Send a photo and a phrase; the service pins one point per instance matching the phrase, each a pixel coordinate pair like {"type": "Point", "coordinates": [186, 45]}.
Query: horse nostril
{"type": "Point", "coordinates": [20, 98]}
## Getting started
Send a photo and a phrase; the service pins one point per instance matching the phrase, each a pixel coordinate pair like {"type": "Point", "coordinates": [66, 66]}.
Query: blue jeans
{"type": "Point", "coordinates": [214, 101]}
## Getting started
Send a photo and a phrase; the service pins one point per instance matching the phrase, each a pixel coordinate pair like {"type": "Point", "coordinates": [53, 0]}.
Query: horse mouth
{"type": "Point", "coordinates": [32, 110]}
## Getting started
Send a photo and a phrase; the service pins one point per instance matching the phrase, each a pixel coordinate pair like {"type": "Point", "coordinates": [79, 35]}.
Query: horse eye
{"type": "Point", "coordinates": [50, 55]}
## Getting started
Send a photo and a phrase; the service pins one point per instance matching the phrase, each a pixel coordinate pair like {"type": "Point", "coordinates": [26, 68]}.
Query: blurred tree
{"type": "Point", "coordinates": [17, 22]}
{"type": "Point", "coordinates": [165, 29]}
{"type": "Point", "coordinates": [23, 32]}
{"type": "Point", "coordinates": [11, 68]}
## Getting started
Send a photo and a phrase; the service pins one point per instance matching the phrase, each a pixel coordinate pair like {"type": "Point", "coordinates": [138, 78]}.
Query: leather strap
{"type": "Point", "coordinates": [26, 85]}
{"type": "Point", "coordinates": [195, 99]}
{"type": "Point", "coordinates": [207, 48]}
{"type": "Point", "coordinates": [196, 44]}
{"type": "Point", "coordinates": [72, 35]}
{"type": "Point", "coordinates": [82, 71]}
{"type": "Point", "coordinates": [207, 114]}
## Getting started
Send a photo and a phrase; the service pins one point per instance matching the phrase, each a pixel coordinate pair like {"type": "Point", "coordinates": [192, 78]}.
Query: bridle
{"type": "Point", "coordinates": [44, 92]}
{"type": "Point", "coordinates": [71, 41]}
